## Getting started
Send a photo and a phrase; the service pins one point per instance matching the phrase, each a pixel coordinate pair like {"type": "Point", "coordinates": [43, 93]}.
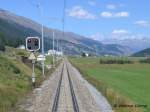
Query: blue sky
{"type": "Point", "coordinates": [97, 19]}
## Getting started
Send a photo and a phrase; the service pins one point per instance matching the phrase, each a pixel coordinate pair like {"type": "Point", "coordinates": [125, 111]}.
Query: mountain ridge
{"type": "Point", "coordinates": [142, 53]}
{"type": "Point", "coordinates": [25, 27]}
{"type": "Point", "coordinates": [138, 43]}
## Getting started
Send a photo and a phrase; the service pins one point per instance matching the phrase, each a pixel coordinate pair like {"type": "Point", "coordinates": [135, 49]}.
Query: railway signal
{"type": "Point", "coordinates": [33, 45]}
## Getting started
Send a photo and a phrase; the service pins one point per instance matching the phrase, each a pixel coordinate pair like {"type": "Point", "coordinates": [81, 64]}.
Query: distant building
{"type": "Point", "coordinates": [59, 53]}
{"type": "Point", "coordinates": [106, 55]}
{"type": "Point", "coordinates": [41, 57]}
{"type": "Point", "coordinates": [85, 54]}
{"type": "Point", "coordinates": [51, 52]}
{"type": "Point", "coordinates": [21, 47]}
{"type": "Point", "coordinates": [54, 52]}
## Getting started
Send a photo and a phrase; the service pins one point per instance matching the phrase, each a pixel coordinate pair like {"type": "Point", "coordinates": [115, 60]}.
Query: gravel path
{"type": "Point", "coordinates": [88, 98]}
{"type": "Point", "coordinates": [42, 97]}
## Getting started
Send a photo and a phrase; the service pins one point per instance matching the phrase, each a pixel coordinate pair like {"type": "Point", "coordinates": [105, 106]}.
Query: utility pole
{"type": "Point", "coordinates": [57, 46]}
{"type": "Point", "coordinates": [57, 55]}
{"type": "Point", "coordinates": [42, 38]}
{"type": "Point", "coordinates": [43, 64]}
{"type": "Point", "coordinates": [53, 49]}
{"type": "Point", "coordinates": [63, 21]}
{"type": "Point", "coordinates": [95, 50]}
{"type": "Point", "coordinates": [53, 39]}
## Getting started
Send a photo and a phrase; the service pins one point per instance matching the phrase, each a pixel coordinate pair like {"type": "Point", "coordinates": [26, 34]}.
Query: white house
{"type": "Point", "coordinates": [21, 47]}
{"type": "Point", "coordinates": [86, 54]}
{"type": "Point", "coordinates": [54, 52]}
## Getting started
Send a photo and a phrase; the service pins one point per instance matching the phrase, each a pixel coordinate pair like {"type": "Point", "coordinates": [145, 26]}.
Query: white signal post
{"type": "Point", "coordinates": [33, 72]}
{"type": "Point", "coordinates": [33, 58]}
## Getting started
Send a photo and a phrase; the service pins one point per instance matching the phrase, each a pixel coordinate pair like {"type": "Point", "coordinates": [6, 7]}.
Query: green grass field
{"type": "Point", "coordinates": [130, 81]}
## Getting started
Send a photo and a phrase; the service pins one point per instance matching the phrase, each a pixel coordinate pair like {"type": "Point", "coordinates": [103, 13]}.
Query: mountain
{"type": "Point", "coordinates": [134, 44]}
{"type": "Point", "coordinates": [14, 29]}
{"type": "Point", "coordinates": [143, 53]}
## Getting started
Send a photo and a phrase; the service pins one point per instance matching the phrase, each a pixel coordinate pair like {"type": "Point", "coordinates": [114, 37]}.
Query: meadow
{"type": "Point", "coordinates": [125, 85]}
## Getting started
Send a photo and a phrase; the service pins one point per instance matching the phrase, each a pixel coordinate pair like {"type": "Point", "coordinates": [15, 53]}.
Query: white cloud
{"type": "Point", "coordinates": [92, 2]}
{"type": "Point", "coordinates": [80, 13]}
{"type": "Point", "coordinates": [121, 14]}
{"type": "Point", "coordinates": [143, 23]}
{"type": "Point", "coordinates": [114, 6]}
{"type": "Point", "coordinates": [111, 6]}
{"type": "Point", "coordinates": [107, 14]}
{"type": "Point", "coordinates": [120, 32]}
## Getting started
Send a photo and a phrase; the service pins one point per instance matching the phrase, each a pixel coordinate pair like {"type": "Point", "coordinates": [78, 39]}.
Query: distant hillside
{"type": "Point", "coordinates": [14, 29]}
{"type": "Point", "coordinates": [13, 34]}
{"type": "Point", "coordinates": [143, 53]}
{"type": "Point", "coordinates": [138, 43]}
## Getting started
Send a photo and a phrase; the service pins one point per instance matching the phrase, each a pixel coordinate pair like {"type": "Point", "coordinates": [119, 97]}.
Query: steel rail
{"type": "Point", "coordinates": [56, 100]}
{"type": "Point", "coordinates": [74, 99]}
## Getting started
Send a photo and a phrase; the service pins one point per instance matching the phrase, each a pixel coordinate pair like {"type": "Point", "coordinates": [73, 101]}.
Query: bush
{"type": "Point", "coordinates": [115, 61]}
{"type": "Point", "coordinates": [145, 60]}
{"type": "Point", "coordinates": [2, 47]}
{"type": "Point", "coordinates": [2, 44]}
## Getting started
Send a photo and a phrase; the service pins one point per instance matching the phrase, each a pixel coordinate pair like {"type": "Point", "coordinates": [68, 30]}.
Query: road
{"type": "Point", "coordinates": [66, 91]}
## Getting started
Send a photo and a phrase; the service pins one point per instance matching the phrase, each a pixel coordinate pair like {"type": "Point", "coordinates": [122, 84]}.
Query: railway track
{"type": "Point", "coordinates": [74, 99]}
{"type": "Point", "coordinates": [58, 91]}
{"type": "Point", "coordinates": [56, 100]}
{"type": "Point", "coordinates": [66, 91]}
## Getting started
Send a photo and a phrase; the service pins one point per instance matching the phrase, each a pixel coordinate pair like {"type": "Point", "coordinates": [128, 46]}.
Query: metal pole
{"type": "Point", "coordinates": [43, 68]}
{"type": "Point", "coordinates": [53, 49]}
{"type": "Point", "coordinates": [63, 22]}
{"type": "Point", "coordinates": [95, 50]}
{"type": "Point", "coordinates": [57, 51]}
{"type": "Point", "coordinates": [57, 45]}
{"type": "Point", "coordinates": [33, 73]}
{"type": "Point", "coordinates": [41, 14]}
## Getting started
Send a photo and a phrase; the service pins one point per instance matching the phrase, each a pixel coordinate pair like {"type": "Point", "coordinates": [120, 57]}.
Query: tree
{"type": "Point", "coordinates": [2, 42]}
{"type": "Point", "coordinates": [83, 54]}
